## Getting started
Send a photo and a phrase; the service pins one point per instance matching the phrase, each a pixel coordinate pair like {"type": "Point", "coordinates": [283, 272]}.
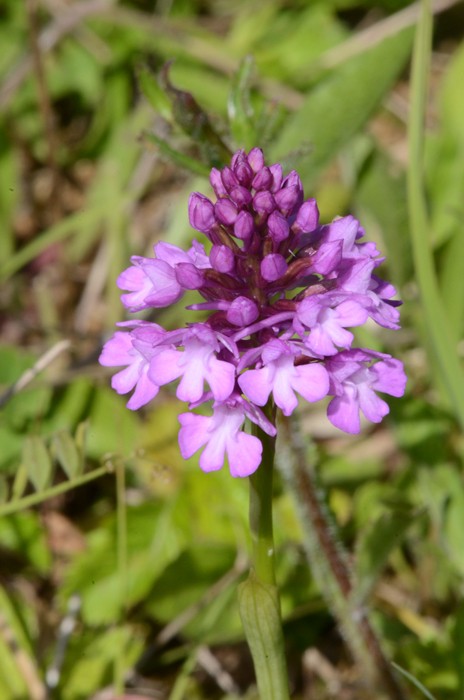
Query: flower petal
{"type": "Point", "coordinates": [343, 412]}
{"type": "Point", "coordinates": [244, 454]}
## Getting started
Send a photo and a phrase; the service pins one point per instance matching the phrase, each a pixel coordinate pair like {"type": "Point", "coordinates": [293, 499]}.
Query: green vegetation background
{"type": "Point", "coordinates": [96, 164]}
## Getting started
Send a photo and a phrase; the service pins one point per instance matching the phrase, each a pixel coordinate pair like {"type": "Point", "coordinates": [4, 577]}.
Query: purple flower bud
{"type": "Point", "coordinates": [293, 180]}
{"type": "Point", "coordinates": [264, 203]}
{"type": "Point", "coordinates": [262, 180]}
{"type": "Point", "coordinates": [188, 276]}
{"type": "Point", "coordinates": [278, 227]}
{"type": "Point", "coordinates": [222, 258]}
{"type": "Point", "coordinates": [201, 212]}
{"type": "Point", "coordinates": [256, 159]}
{"type": "Point", "coordinates": [244, 226]}
{"type": "Point", "coordinates": [277, 176]}
{"type": "Point", "coordinates": [273, 266]}
{"type": "Point", "coordinates": [241, 196]}
{"type": "Point", "coordinates": [243, 172]}
{"type": "Point", "coordinates": [226, 211]}
{"type": "Point", "coordinates": [288, 198]}
{"type": "Point", "coordinates": [216, 183]}
{"type": "Point", "coordinates": [229, 179]}
{"type": "Point", "coordinates": [238, 157]}
{"type": "Point", "coordinates": [242, 312]}
{"type": "Point", "coordinates": [328, 257]}
{"type": "Point", "coordinates": [307, 218]}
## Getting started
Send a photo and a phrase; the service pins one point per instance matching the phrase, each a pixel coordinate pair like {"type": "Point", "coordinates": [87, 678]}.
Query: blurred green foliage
{"type": "Point", "coordinates": [116, 177]}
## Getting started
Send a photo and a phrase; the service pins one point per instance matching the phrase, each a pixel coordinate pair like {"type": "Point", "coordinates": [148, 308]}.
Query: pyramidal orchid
{"type": "Point", "coordinates": [282, 292]}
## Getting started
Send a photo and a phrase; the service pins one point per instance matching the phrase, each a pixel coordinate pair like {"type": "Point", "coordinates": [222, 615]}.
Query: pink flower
{"type": "Point", "coordinates": [196, 364]}
{"type": "Point", "coordinates": [153, 282]}
{"type": "Point", "coordinates": [280, 376]}
{"type": "Point", "coordinates": [124, 349]}
{"type": "Point", "coordinates": [327, 321]}
{"type": "Point", "coordinates": [355, 377]}
{"type": "Point", "coordinates": [281, 293]}
{"type": "Point", "coordinates": [222, 437]}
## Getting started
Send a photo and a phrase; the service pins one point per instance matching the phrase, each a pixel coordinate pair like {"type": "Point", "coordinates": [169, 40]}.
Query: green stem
{"type": "Point", "coordinates": [121, 518]}
{"type": "Point", "coordinates": [438, 327]}
{"type": "Point", "coordinates": [261, 513]}
{"type": "Point", "coordinates": [259, 596]}
{"type": "Point", "coordinates": [36, 498]}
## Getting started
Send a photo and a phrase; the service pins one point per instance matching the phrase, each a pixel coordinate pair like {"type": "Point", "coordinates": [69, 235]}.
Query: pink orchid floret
{"type": "Point", "coordinates": [280, 377]}
{"type": "Point", "coordinates": [197, 363]}
{"type": "Point", "coordinates": [161, 281]}
{"type": "Point", "coordinates": [282, 294]}
{"type": "Point", "coordinates": [355, 377]}
{"type": "Point", "coordinates": [222, 437]}
{"type": "Point", "coordinates": [327, 317]}
{"type": "Point", "coordinates": [134, 353]}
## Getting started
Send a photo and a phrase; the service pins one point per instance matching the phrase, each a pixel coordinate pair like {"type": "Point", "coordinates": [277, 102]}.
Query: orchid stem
{"type": "Point", "coordinates": [259, 596]}
{"type": "Point", "coordinates": [261, 514]}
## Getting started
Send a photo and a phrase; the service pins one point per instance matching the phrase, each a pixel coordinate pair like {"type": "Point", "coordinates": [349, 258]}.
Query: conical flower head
{"type": "Point", "coordinates": [282, 292]}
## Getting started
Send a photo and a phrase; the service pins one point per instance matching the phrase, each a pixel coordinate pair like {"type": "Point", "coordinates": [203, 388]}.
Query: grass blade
{"type": "Point", "coordinates": [437, 323]}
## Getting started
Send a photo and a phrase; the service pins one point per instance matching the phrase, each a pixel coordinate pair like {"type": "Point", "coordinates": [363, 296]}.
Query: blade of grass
{"type": "Point", "coordinates": [437, 323]}
{"type": "Point", "coordinates": [414, 681]}
{"type": "Point", "coordinates": [180, 687]}
{"type": "Point", "coordinates": [177, 157]}
{"type": "Point", "coordinates": [121, 516]}
{"type": "Point", "coordinates": [55, 234]}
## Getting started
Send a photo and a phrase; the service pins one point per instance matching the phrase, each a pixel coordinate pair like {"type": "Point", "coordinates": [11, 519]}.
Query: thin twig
{"type": "Point", "coordinates": [30, 374]}
{"type": "Point", "coordinates": [210, 663]}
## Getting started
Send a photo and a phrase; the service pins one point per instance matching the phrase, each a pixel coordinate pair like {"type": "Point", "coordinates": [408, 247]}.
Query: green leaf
{"type": "Point", "coordinates": [66, 452]}
{"type": "Point", "coordinates": [336, 109]}
{"type": "Point", "coordinates": [295, 40]}
{"type": "Point", "coordinates": [239, 108]}
{"type": "Point", "coordinates": [260, 613]}
{"type": "Point", "coordinates": [188, 578]}
{"type": "Point", "coordinates": [112, 427]}
{"type": "Point", "coordinates": [89, 660]}
{"type": "Point", "coordinates": [25, 533]}
{"type": "Point", "coordinates": [152, 533]}
{"type": "Point", "coordinates": [37, 461]}
{"type": "Point", "coordinates": [194, 121]}
{"type": "Point", "coordinates": [153, 92]}
{"type": "Point", "coordinates": [181, 159]}
{"type": "Point", "coordinates": [20, 482]}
